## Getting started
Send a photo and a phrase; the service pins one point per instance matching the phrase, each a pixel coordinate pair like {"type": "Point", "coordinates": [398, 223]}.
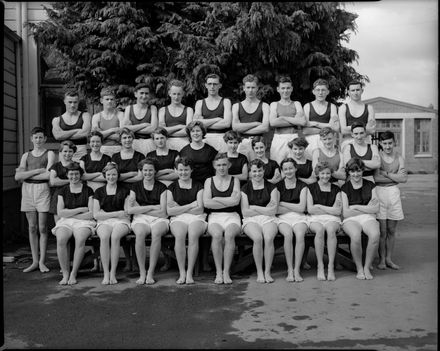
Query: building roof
{"type": "Point", "coordinates": [399, 103]}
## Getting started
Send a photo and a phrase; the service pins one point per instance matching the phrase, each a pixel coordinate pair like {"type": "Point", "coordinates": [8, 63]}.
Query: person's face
{"type": "Point", "coordinates": [213, 86]}
{"type": "Point", "coordinates": [142, 95]}
{"type": "Point", "coordinates": [387, 145]}
{"type": "Point", "coordinates": [355, 175]}
{"type": "Point", "coordinates": [148, 172]}
{"type": "Point", "coordinates": [285, 90]}
{"type": "Point", "coordinates": [108, 101]}
{"type": "Point", "coordinates": [126, 141]}
{"type": "Point", "coordinates": [355, 92]}
{"type": "Point", "coordinates": [259, 149]}
{"type": "Point", "coordinates": [159, 140]}
{"type": "Point", "coordinates": [289, 170]}
{"type": "Point", "coordinates": [232, 145]}
{"type": "Point", "coordinates": [71, 103]}
{"type": "Point", "coordinates": [298, 151]}
{"type": "Point", "coordinates": [325, 175]}
{"type": "Point", "coordinates": [328, 141]}
{"type": "Point", "coordinates": [256, 173]}
{"type": "Point", "coordinates": [176, 94]}
{"type": "Point", "coordinates": [196, 134]}
{"type": "Point", "coordinates": [111, 176]}
{"type": "Point", "coordinates": [184, 172]}
{"type": "Point", "coordinates": [38, 139]}
{"type": "Point", "coordinates": [95, 143]}
{"type": "Point", "coordinates": [66, 153]}
{"type": "Point", "coordinates": [221, 166]}
{"type": "Point", "coordinates": [359, 135]}
{"type": "Point", "coordinates": [320, 92]}
{"type": "Point", "coordinates": [250, 89]}
{"type": "Point", "coordinates": [74, 176]}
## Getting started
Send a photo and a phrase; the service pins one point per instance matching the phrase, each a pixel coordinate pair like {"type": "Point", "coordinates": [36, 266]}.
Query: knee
{"type": "Point", "coordinates": [217, 237]}
{"type": "Point", "coordinates": [258, 240]}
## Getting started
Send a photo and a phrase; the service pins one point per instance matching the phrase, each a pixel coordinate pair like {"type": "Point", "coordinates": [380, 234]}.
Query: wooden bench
{"type": "Point", "coordinates": [243, 257]}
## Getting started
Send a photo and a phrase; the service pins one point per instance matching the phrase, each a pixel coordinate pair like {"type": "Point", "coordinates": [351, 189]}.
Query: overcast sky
{"type": "Point", "coordinates": [397, 43]}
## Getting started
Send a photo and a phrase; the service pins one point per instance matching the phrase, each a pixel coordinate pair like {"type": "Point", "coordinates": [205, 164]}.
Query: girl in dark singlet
{"type": "Point", "coordinates": [259, 202]}
{"type": "Point", "coordinates": [271, 168]}
{"type": "Point", "coordinates": [58, 174]}
{"type": "Point", "coordinates": [360, 206]}
{"type": "Point", "coordinates": [304, 170]}
{"type": "Point", "coordinates": [292, 218]}
{"type": "Point", "coordinates": [185, 208]}
{"type": "Point", "coordinates": [75, 210]}
{"type": "Point", "coordinates": [239, 162]}
{"type": "Point", "coordinates": [110, 204]}
{"type": "Point", "coordinates": [324, 206]}
{"type": "Point", "coordinates": [147, 203]}
{"type": "Point", "coordinates": [94, 162]}
{"type": "Point", "coordinates": [221, 196]}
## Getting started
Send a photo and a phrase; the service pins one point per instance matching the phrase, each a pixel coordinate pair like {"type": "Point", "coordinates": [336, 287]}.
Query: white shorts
{"type": "Point", "coordinates": [324, 219]}
{"type": "Point", "coordinates": [73, 223]}
{"type": "Point", "coordinates": [390, 204]}
{"type": "Point", "coordinates": [245, 148]}
{"type": "Point", "coordinates": [112, 222]}
{"type": "Point", "coordinates": [144, 146]}
{"type": "Point", "coordinates": [35, 197]}
{"type": "Point", "coordinates": [177, 143]}
{"type": "Point", "coordinates": [216, 141]}
{"type": "Point", "coordinates": [292, 219]}
{"type": "Point", "coordinates": [279, 147]}
{"type": "Point", "coordinates": [110, 149]}
{"type": "Point", "coordinates": [260, 220]}
{"type": "Point", "coordinates": [314, 142]}
{"type": "Point", "coordinates": [81, 150]}
{"type": "Point", "coordinates": [148, 220]}
{"type": "Point", "coordinates": [361, 219]}
{"type": "Point", "coordinates": [188, 218]}
{"type": "Point", "coordinates": [224, 219]}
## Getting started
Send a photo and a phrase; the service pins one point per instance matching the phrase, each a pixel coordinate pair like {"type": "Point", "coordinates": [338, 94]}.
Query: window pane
{"type": "Point", "coordinates": [422, 136]}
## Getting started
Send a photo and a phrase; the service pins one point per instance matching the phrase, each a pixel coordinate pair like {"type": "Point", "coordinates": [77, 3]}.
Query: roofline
{"type": "Point", "coordinates": [14, 36]}
{"type": "Point", "coordinates": [401, 103]}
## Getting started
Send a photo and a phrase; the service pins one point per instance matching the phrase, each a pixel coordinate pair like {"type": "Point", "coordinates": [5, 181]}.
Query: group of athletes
{"type": "Point", "coordinates": [189, 172]}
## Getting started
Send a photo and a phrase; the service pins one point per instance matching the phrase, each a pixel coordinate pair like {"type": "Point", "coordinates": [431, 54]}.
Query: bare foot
{"type": "Point", "coordinates": [141, 280]}
{"type": "Point", "coordinates": [360, 275]}
{"type": "Point", "coordinates": [113, 280]}
{"type": "Point", "coordinates": [63, 281]}
{"type": "Point", "coordinates": [290, 277]}
{"type": "Point", "coordinates": [392, 265]}
{"type": "Point", "coordinates": [72, 281]}
{"type": "Point", "coordinates": [306, 266]}
{"type": "Point", "coordinates": [149, 280]}
{"type": "Point", "coordinates": [218, 279]}
{"type": "Point", "coordinates": [367, 273]}
{"type": "Point", "coordinates": [382, 265]}
{"type": "Point", "coordinates": [331, 275]}
{"type": "Point", "coordinates": [106, 280]}
{"type": "Point", "coordinates": [226, 278]}
{"type": "Point", "coordinates": [31, 268]}
{"type": "Point", "coordinates": [298, 277]}
{"type": "Point", "coordinates": [268, 278]}
{"type": "Point", "coordinates": [189, 280]}
{"type": "Point", "coordinates": [43, 268]}
{"type": "Point", "coordinates": [320, 275]}
{"type": "Point", "coordinates": [260, 278]}
{"type": "Point", "coordinates": [181, 280]}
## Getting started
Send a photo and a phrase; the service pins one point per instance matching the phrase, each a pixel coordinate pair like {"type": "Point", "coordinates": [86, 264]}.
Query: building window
{"type": "Point", "coordinates": [422, 136]}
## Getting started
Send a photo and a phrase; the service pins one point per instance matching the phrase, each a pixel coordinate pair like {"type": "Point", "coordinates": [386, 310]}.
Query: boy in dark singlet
{"type": "Point", "coordinates": [33, 171]}
{"type": "Point", "coordinates": [250, 117]}
{"type": "Point", "coordinates": [108, 122]}
{"type": "Point", "coordinates": [141, 119]}
{"type": "Point", "coordinates": [355, 110]}
{"type": "Point", "coordinates": [214, 112]}
{"type": "Point", "coordinates": [73, 125]}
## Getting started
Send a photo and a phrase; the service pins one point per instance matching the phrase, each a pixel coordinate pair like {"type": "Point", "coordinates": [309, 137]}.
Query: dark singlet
{"type": "Point", "coordinates": [127, 165]}
{"type": "Point", "coordinates": [258, 197]}
{"type": "Point", "coordinates": [202, 161]}
{"type": "Point", "coordinates": [184, 196]}
{"type": "Point", "coordinates": [111, 203]}
{"type": "Point", "coordinates": [227, 193]}
{"type": "Point", "coordinates": [93, 166]}
{"type": "Point", "coordinates": [75, 200]}
{"type": "Point", "coordinates": [361, 196]}
{"type": "Point", "coordinates": [325, 198]}
{"type": "Point", "coordinates": [237, 164]}
{"type": "Point", "coordinates": [35, 162]}
{"type": "Point", "coordinates": [291, 195]}
{"type": "Point", "coordinates": [78, 125]}
{"type": "Point", "coordinates": [146, 197]}
{"type": "Point", "coordinates": [61, 172]}
{"type": "Point", "coordinates": [105, 124]}
{"type": "Point", "coordinates": [145, 119]}
{"type": "Point", "coordinates": [304, 170]}
{"type": "Point", "coordinates": [368, 156]}
{"type": "Point", "coordinates": [171, 121]}
{"type": "Point", "coordinates": [270, 168]}
{"type": "Point", "coordinates": [288, 111]}
{"type": "Point", "coordinates": [256, 116]}
{"type": "Point", "coordinates": [164, 161]}
{"type": "Point", "coordinates": [315, 117]}
{"type": "Point", "coordinates": [351, 119]}
{"type": "Point", "coordinates": [392, 167]}
{"type": "Point", "coordinates": [217, 112]}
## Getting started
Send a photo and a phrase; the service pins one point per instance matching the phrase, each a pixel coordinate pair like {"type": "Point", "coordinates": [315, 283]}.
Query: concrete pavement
{"type": "Point", "coordinates": [397, 310]}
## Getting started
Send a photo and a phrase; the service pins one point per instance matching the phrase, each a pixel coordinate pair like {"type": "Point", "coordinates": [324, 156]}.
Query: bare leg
{"type": "Point", "coordinates": [42, 224]}
{"type": "Point", "coordinates": [156, 236]}
{"type": "Point", "coordinates": [118, 232]}
{"type": "Point", "coordinates": [104, 232]}
{"type": "Point", "coordinates": [216, 232]}
{"type": "Point", "coordinates": [382, 243]}
{"type": "Point", "coordinates": [331, 229]}
{"type": "Point", "coordinates": [287, 232]}
{"type": "Point", "coordinates": [81, 235]}
{"type": "Point", "coordinates": [354, 230]}
{"type": "Point", "coordinates": [391, 238]}
{"type": "Point", "coordinates": [63, 235]}
{"type": "Point", "coordinates": [231, 232]}
{"type": "Point", "coordinates": [319, 231]}
{"type": "Point", "coordinates": [300, 231]}
{"type": "Point", "coordinates": [254, 231]}
{"type": "Point", "coordinates": [269, 232]}
{"type": "Point", "coordinates": [141, 231]}
{"type": "Point", "coordinates": [371, 229]}
{"type": "Point", "coordinates": [33, 240]}
{"type": "Point", "coordinates": [179, 230]}
{"type": "Point", "coordinates": [195, 230]}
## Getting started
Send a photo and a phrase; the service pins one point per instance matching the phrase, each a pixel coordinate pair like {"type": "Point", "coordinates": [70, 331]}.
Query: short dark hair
{"type": "Point", "coordinates": [36, 130]}
{"type": "Point", "coordinates": [71, 92]}
{"type": "Point", "coordinates": [74, 166]}
{"type": "Point", "coordinates": [258, 139]}
{"type": "Point", "coordinates": [94, 133]}
{"type": "Point", "coordinates": [125, 130]}
{"type": "Point", "coordinates": [287, 160]}
{"type": "Point", "coordinates": [354, 164]}
{"type": "Point", "coordinates": [110, 165]}
{"type": "Point", "coordinates": [232, 135]}
{"type": "Point", "coordinates": [321, 166]}
{"type": "Point", "coordinates": [354, 82]}
{"type": "Point", "coordinates": [388, 134]}
{"type": "Point", "coordinates": [326, 131]}
{"type": "Point", "coordinates": [357, 124]}
{"type": "Point", "coordinates": [192, 125]}
{"type": "Point", "coordinates": [159, 130]}
{"type": "Point", "coordinates": [221, 155]}
{"type": "Point", "coordinates": [140, 86]}
{"type": "Point", "coordinates": [258, 163]}
{"type": "Point", "coordinates": [250, 78]}
{"type": "Point", "coordinates": [299, 141]}
{"type": "Point", "coordinates": [284, 79]}
{"type": "Point", "coordinates": [148, 161]}
{"type": "Point", "coordinates": [69, 143]}
{"type": "Point", "coordinates": [184, 161]}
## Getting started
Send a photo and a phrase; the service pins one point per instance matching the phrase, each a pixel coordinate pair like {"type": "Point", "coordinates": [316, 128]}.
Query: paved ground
{"type": "Point", "coordinates": [397, 310]}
